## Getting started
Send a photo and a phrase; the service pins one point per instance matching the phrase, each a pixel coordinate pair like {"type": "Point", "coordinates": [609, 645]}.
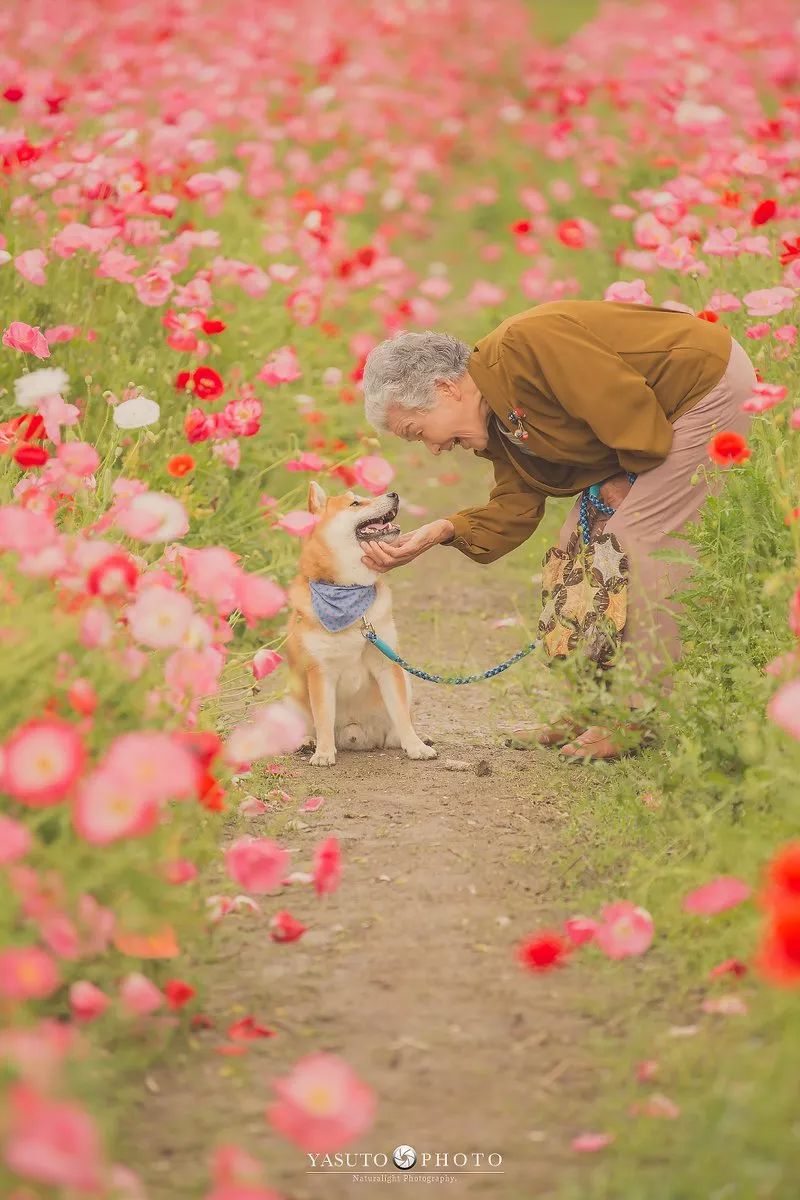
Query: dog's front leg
{"type": "Point", "coordinates": [392, 685]}
{"type": "Point", "coordinates": [322, 697]}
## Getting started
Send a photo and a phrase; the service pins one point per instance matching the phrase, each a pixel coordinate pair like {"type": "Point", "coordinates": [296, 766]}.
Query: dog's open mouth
{"type": "Point", "coordinates": [378, 529]}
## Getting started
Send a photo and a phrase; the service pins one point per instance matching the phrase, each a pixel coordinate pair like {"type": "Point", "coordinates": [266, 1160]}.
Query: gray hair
{"type": "Point", "coordinates": [404, 369]}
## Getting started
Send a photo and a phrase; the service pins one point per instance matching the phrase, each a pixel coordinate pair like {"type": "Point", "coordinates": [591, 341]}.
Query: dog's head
{"type": "Point", "coordinates": [344, 524]}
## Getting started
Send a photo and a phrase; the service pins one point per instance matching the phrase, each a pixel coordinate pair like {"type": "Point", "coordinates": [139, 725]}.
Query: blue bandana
{"type": "Point", "coordinates": [338, 605]}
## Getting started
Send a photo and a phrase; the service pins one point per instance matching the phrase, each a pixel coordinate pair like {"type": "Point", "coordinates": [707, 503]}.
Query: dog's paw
{"type": "Point", "coordinates": [320, 759]}
{"type": "Point", "coordinates": [419, 751]}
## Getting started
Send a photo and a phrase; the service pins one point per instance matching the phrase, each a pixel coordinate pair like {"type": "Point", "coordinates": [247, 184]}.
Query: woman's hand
{"type": "Point", "coordinates": [384, 556]}
{"type": "Point", "coordinates": [615, 489]}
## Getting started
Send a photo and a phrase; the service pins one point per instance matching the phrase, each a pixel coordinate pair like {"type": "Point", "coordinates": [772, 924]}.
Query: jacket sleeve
{"type": "Point", "coordinates": [593, 384]}
{"type": "Point", "coordinates": [512, 513]}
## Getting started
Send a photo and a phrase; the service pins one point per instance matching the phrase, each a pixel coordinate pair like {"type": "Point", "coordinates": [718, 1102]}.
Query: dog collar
{"type": "Point", "coordinates": [339, 605]}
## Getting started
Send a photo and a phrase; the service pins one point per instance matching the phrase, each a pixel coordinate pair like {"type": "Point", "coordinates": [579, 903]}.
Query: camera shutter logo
{"type": "Point", "coordinates": [404, 1157]}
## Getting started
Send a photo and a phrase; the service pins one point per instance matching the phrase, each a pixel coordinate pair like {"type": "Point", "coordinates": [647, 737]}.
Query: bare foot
{"type": "Point", "coordinates": [553, 734]}
{"type": "Point", "coordinates": [599, 743]}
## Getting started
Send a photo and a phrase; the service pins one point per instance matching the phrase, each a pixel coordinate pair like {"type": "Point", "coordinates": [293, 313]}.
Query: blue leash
{"type": "Point", "coordinates": [590, 495]}
{"type": "Point", "coordinates": [385, 649]}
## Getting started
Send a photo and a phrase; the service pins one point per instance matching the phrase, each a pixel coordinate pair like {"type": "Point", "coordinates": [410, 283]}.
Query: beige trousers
{"type": "Point", "coordinates": [660, 503]}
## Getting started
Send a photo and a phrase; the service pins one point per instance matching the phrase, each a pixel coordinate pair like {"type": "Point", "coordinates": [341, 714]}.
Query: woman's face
{"type": "Point", "coordinates": [458, 418]}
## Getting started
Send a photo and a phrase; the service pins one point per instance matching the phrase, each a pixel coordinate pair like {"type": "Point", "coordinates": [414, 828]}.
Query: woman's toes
{"type": "Point", "coordinates": [594, 742]}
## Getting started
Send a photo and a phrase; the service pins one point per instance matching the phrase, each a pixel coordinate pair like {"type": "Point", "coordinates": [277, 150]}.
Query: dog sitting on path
{"type": "Point", "coordinates": [355, 697]}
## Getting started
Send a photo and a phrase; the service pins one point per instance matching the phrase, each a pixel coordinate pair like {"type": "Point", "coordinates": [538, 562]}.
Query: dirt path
{"type": "Point", "coordinates": [408, 969]}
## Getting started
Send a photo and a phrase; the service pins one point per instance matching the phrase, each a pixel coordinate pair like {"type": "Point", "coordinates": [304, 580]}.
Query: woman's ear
{"type": "Point", "coordinates": [316, 497]}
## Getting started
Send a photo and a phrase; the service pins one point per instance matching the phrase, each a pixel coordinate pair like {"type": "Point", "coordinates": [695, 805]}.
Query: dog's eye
{"type": "Point", "coordinates": [356, 504]}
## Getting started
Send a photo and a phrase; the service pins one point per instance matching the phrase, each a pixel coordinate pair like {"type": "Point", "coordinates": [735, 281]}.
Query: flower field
{"type": "Point", "coordinates": [210, 214]}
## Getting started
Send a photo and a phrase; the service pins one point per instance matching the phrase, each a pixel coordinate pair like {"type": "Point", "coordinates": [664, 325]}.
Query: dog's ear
{"type": "Point", "coordinates": [316, 497]}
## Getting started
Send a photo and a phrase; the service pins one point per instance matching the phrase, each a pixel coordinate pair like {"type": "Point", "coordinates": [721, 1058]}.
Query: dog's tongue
{"type": "Point", "coordinates": [374, 526]}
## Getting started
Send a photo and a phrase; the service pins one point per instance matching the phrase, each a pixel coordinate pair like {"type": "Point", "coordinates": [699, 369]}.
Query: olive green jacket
{"type": "Point", "coordinates": [598, 385]}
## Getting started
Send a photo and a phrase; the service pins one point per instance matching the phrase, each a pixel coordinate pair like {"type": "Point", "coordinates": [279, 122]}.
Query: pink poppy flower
{"type": "Point", "coordinates": [257, 864]}
{"type": "Point", "coordinates": [87, 1001]}
{"type": "Point", "coordinates": [274, 729]}
{"type": "Point", "coordinates": [61, 333]}
{"type": "Point", "coordinates": [280, 367]}
{"type": "Point", "coordinates": [265, 662]}
{"type": "Point", "coordinates": [485, 294]}
{"type": "Point", "coordinates": [373, 473]}
{"type": "Point", "coordinates": [590, 1143]}
{"type": "Point", "coordinates": [327, 866]}
{"type": "Point", "coordinates": [52, 1142]}
{"type": "Point", "coordinates": [767, 302]}
{"type": "Point", "coordinates": [765, 396]}
{"type": "Point", "coordinates": [59, 934]}
{"type": "Point", "coordinates": [25, 531]}
{"type": "Point", "coordinates": [31, 265]}
{"type": "Point", "coordinates": [37, 1052]}
{"type": "Point", "coordinates": [306, 462]}
{"type": "Point", "coordinates": [15, 841]}
{"type": "Point", "coordinates": [784, 708]}
{"type": "Point", "coordinates": [153, 764]}
{"type": "Point", "coordinates": [139, 996]}
{"type": "Point", "coordinates": [42, 761]}
{"type": "Point", "coordinates": [632, 292]}
{"type": "Point", "coordinates": [625, 930]}
{"type": "Point", "coordinates": [725, 1006]}
{"type": "Point", "coordinates": [259, 598]}
{"type": "Point", "coordinates": [27, 339]}
{"type": "Point", "coordinates": [159, 617]}
{"type": "Point", "coordinates": [321, 1105]}
{"type": "Point", "coordinates": [153, 288]}
{"type": "Point", "coordinates": [107, 809]}
{"type": "Point", "coordinates": [27, 973]}
{"type": "Point", "coordinates": [312, 804]}
{"type": "Point", "coordinates": [153, 517]}
{"type": "Point", "coordinates": [716, 896]}
{"type": "Point", "coordinates": [297, 523]}
{"type": "Point", "coordinates": [657, 1106]}
{"type": "Point", "coordinates": [580, 930]}
{"type": "Point", "coordinates": [78, 458]}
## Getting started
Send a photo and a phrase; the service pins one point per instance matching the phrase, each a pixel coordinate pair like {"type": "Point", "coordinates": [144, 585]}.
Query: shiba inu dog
{"type": "Point", "coordinates": [355, 698]}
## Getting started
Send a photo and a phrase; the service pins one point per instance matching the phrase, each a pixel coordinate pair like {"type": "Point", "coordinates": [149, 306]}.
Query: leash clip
{"type": "Point", "coordinates": [367, 629]}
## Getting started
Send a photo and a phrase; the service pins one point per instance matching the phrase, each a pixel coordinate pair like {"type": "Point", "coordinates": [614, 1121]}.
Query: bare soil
{"type": "Point", "coordinates": [408, 970]}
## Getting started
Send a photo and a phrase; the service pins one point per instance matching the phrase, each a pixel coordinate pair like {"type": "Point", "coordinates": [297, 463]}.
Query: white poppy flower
{"type": "Point", "coordinates": [136, 413]}
{"type": "Point", "coordinates": [30, 389]}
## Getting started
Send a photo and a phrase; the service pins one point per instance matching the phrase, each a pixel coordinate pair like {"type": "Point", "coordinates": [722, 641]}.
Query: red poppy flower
{"type": "Point", "coordinates": [345, 473]}
{"type": "Point", "coordinates": [30, 427]}
{"type": "Point", "coordinates": [543, 952]}
{"type": "Point", "coordinates": [207, 384]}
{"type": "Point", "coordinates": [570, 233]}
{"type": "Point", "coordinates": [178, 992]}
{"type": "Point", "coordinates": [248, 1030]}
{"type": "Point", "coordinates": [211, 793]}
{"type": "Point", "coordinates": [783, 878]}
{"type": "Point", "coordinates": [728, 449]}
{"type": "Point", "coordinates": [709, 315]}
{"type": "Point", "coordinates": [778, 958]}
{"type": "Point", "coordinates": [180, 465]}
{"type": "Point", "coordinates": [521, 227]}
{"type": "Point", "coordinates": [763, 212]}
{"type": "Point", "coordinates": [202, 743]}
{"type": "Point", "coordinates": [13, 95]}
{"type": "Point", "coordinates": [114, 576]}
{"type": "Point", "coordinates": [212, 326]}
{"type": "Point", "coordinates": [286, 928]}
{"type": "Point", "coordinates": [182, 380]}
{"type": "Point", "coordinates": [791, 250]}
{"type": "Point", "coordinates": [30, 456]}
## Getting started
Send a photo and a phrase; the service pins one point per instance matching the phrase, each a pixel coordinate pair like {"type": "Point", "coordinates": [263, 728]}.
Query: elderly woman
{"type": "Point", "coordinates": [558, 398]}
